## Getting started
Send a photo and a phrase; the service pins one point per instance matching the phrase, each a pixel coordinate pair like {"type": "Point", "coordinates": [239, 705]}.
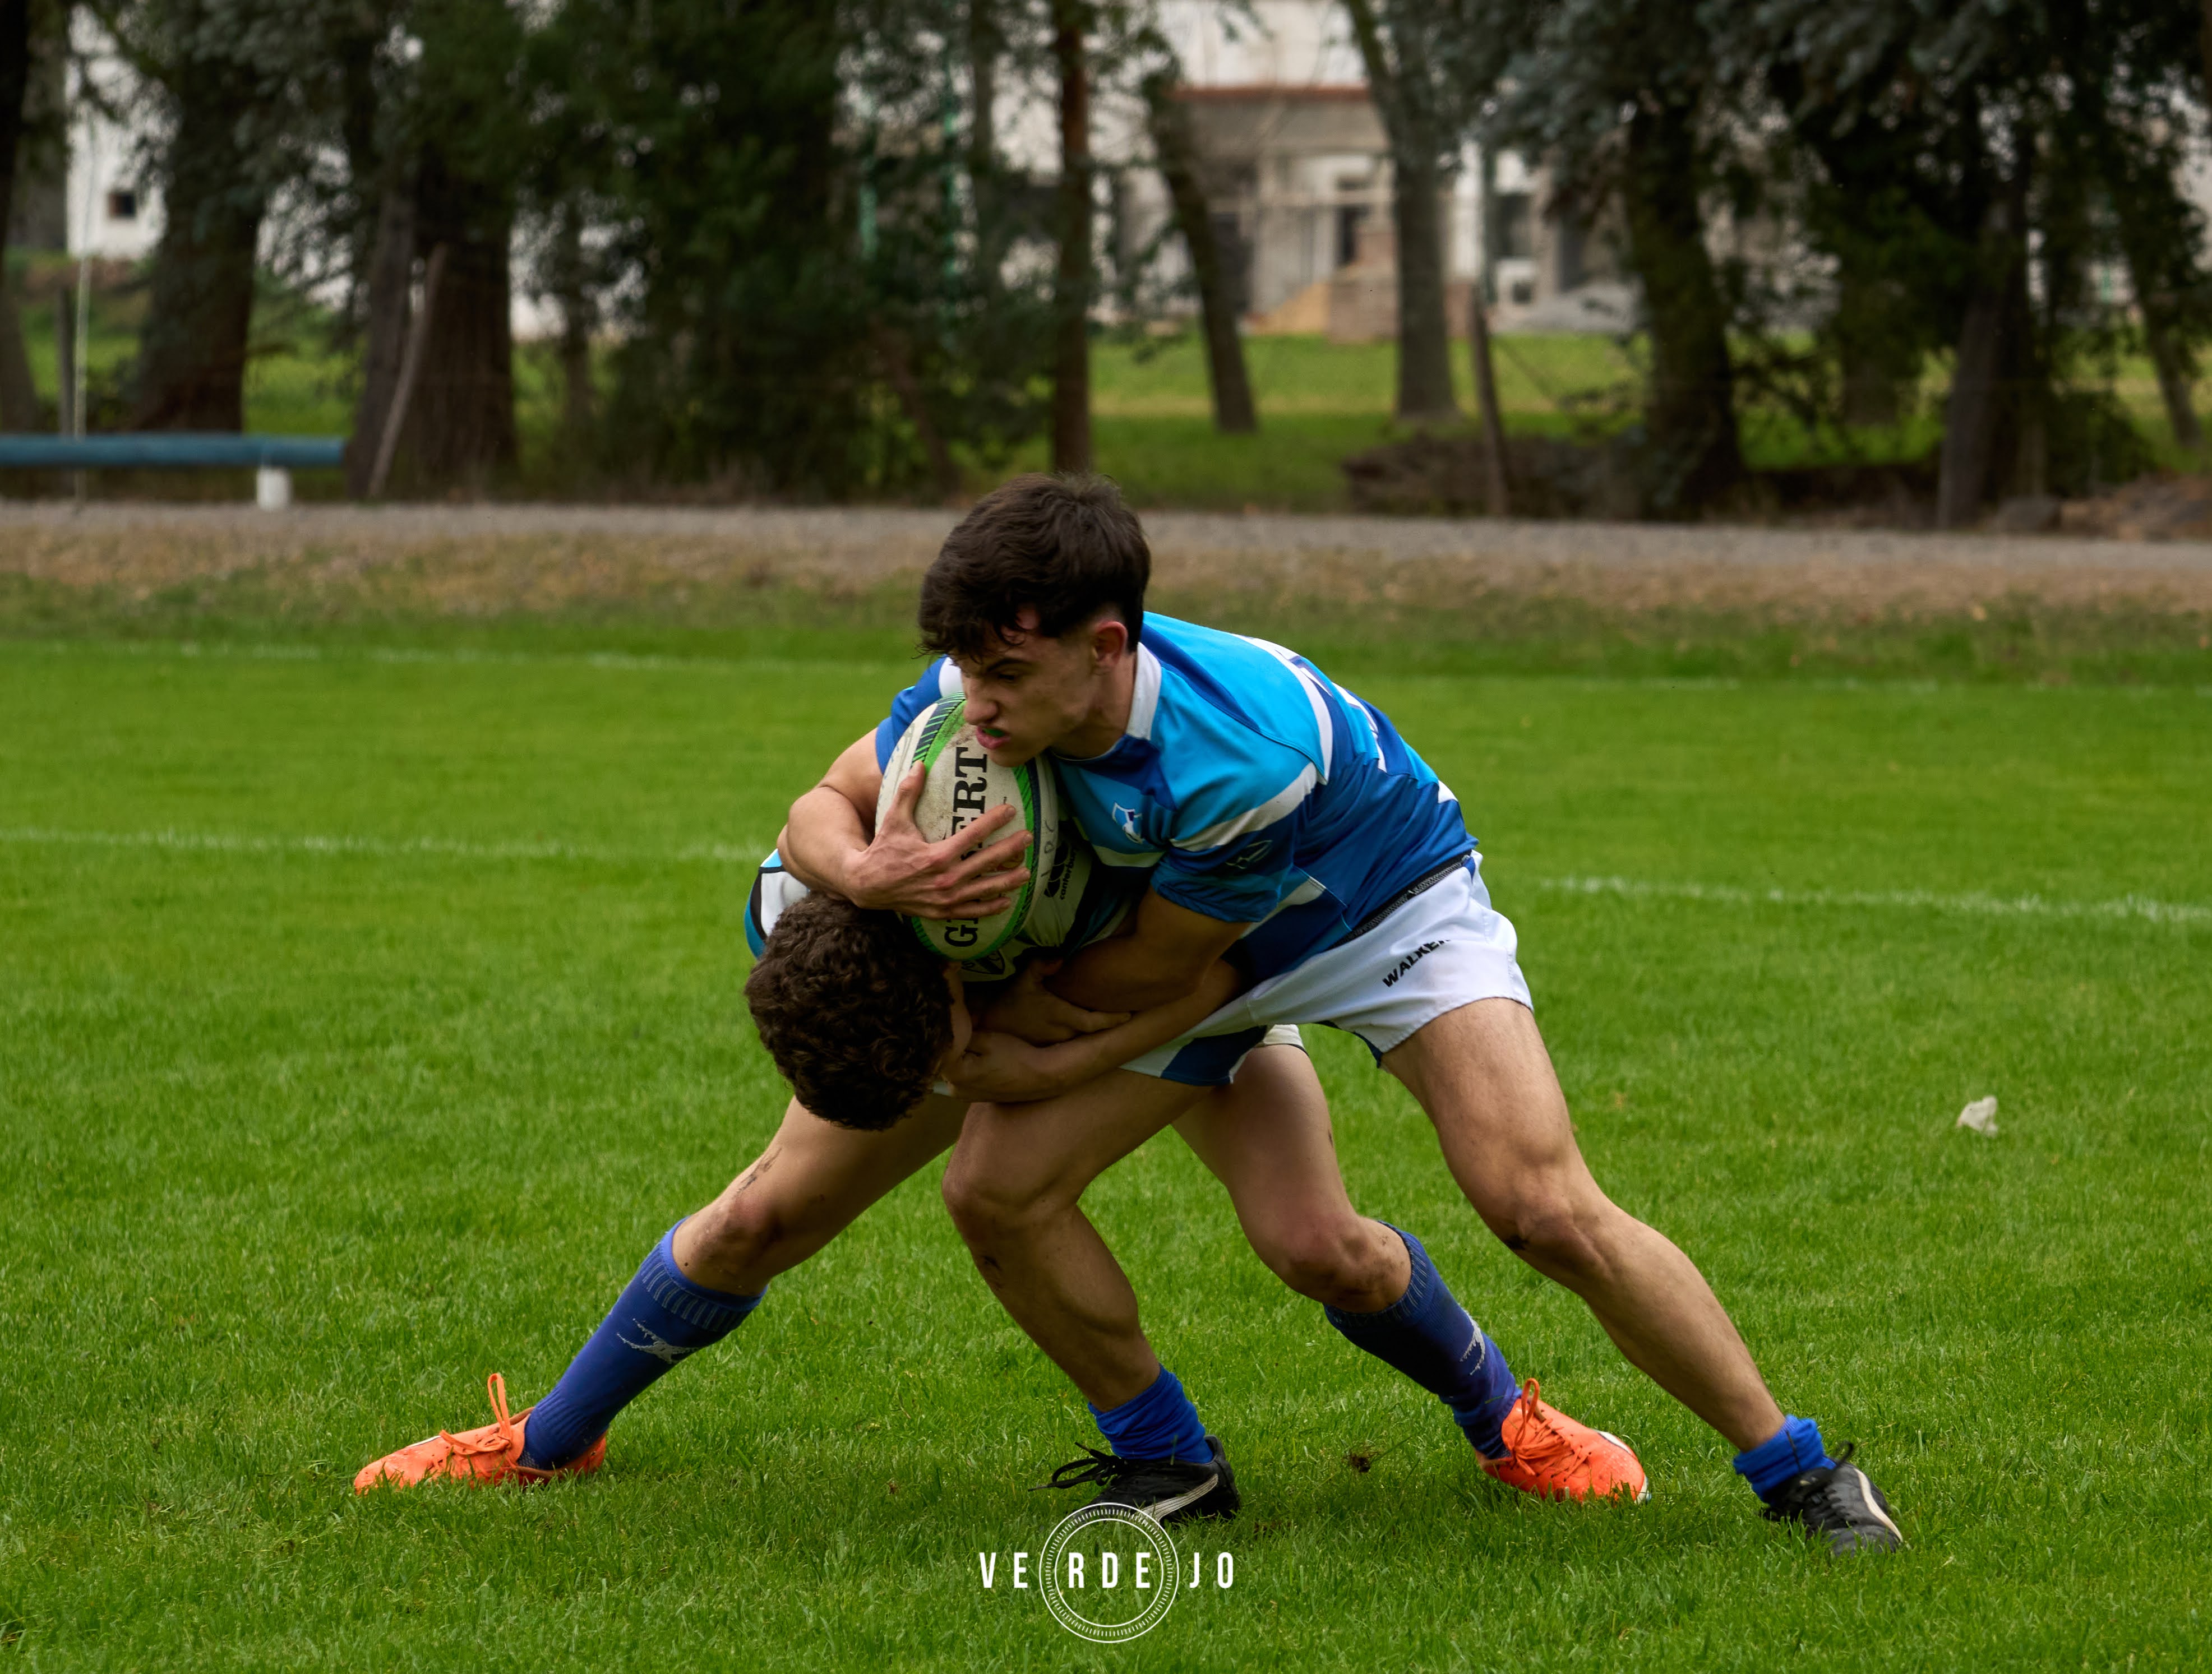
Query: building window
{"type": "Point", "coordinates": [1348, 217]}
{"type": "Point", "coordinates": [122, 205]}
{"type": "Point", "coordinates": [1516, 240]}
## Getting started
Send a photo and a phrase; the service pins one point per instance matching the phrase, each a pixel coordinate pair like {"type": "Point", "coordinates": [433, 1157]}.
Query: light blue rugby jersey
{"type": "Point", "coordinates": [1252, 788]}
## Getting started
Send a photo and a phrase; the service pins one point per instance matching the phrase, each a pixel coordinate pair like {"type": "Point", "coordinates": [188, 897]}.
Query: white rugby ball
{"type": "Point", "coordinates": [964, 784]}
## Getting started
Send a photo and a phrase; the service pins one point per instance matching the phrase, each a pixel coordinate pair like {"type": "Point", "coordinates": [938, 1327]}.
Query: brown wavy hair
{"type": "Point", "coordinates": [853, 1009]}
{"type": "Point", "coordinates": [1066, 546]}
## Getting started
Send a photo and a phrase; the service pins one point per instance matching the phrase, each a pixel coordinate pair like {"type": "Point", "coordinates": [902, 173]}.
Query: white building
{"type": "Point", "coordinates": [110, 210]}
{"type": "Point", "coordinates": [1297, 172]}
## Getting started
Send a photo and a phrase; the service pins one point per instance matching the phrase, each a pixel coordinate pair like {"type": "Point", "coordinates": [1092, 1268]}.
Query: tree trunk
{"type": "Point", "coordinates": [1425, 389]}
{"type": "Point", "coordinates": [1690, 412]}
{"type": "Point", "coordinates": [1172, 144]}
{"type": "Point", "coordinates": [191, 354]}
{"type": "Point", "coordinates": [1974, 415]}
{"type": "Point", "coordinates": [18, 396]}
{"type": "Point", "coordinates": [985, 43]}
{"type": "Point", "coordinates": [2204, 41]}
{"type": "Point", "coordinates": [391, 275]}
{"type": "Point", "coordinates": [462, 425]}
{"type": "Point", "coordinates": [411, 374]}
{"type": "Point", "coordinates": [897, 363]}
{"type": "Point", "coordinates": [15, 89]}
{"type": "Point", "coordinates": [2177, 378]}
{"type": "Point", "coordinates": [19, 400]}
{"type": "Point", "coordinates": [1496, 496]}
{"type": "Point", "coordinates": [1071, 359]}
{"type": "Point", "coordinates": [572, 288]}
{"type": "Point", "coordinates": [2169, 349]}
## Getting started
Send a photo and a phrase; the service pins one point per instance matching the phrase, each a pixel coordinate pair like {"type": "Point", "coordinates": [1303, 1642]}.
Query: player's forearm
{"type": "Point", "coordinates": [1085, 1056]}
{"type": "Point", "coordinates": [1124, 974]}
{"type": "Point", "coordinates": [1058, 1069]}
{"type": "Point", "coordinates": [824, 836]}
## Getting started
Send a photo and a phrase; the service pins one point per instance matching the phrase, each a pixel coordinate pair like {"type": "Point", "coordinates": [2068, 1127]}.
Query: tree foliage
{"type": "Point", "coordinates": [786, 253]}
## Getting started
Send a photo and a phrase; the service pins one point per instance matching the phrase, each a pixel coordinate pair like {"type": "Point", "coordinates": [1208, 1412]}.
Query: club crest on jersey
{"type": "Point", "coordinates": [1126, 818]}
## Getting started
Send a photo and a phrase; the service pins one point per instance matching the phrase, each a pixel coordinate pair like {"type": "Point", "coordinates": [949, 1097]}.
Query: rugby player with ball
{"type": "Point", "coordinates": [867, 1012]}
{"type": "Point", "coordinates": [1281, 825]}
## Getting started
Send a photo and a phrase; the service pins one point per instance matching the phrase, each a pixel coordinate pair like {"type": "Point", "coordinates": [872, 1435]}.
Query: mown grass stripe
{"type": "Point", "coordinates": [2142, 908]}
{"type": "Point", "coordinates": [232, 842]}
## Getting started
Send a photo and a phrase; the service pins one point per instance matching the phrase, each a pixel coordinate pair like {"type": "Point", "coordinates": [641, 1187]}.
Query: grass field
{"type": "Point", "coordinates": [365, 1011]}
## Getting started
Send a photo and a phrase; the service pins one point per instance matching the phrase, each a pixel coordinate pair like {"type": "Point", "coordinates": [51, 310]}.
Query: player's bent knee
{"type": "Point", "coordinates": [987, 1208]}
{"type": "Point", "coordinates": [743, 1231]}
{"type": "Point", "coordinates": [1330, 1265]}
{"type": "Point", "coordinates": [1554, 1234]}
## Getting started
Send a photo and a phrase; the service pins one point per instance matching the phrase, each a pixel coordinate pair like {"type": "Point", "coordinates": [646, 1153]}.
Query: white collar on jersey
{"type": "Point", "coordinates": [1144, 696]}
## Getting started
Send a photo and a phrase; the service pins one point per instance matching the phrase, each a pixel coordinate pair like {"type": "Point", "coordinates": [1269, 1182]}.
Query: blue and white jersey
{"type": "Point", "coordinates": [1252, 788]}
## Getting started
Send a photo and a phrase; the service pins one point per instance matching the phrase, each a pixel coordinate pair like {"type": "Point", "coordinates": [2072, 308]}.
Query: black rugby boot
{"type": "Point", "coordinates": [1839, 1504]}
{"type": "Point", "coordinates": [1167, 1490]}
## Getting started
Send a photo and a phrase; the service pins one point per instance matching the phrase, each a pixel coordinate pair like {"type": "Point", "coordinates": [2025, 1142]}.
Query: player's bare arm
{"type": "Point", "coordinates": [1166, 960]}
{"type": "Point", "coordinates": [1031, 1012]}
{"type": "Point", "coordinates": [833, 845]}
{"type": "Point", "coordinates": [1005, 1068]}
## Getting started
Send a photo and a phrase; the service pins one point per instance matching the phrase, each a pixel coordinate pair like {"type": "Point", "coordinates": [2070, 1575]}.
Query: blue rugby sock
{"type": "Point", "coordinates": [1434, 1341]}
{"type": "Point", "coordinates": [1160, 1423]}
{"type": "Point", "coordinates": [660, 1318]}
{"type": "Point", "coordinates": [1790, 1452]}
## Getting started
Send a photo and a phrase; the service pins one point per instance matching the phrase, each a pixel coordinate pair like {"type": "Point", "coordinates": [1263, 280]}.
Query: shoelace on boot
{"type": "Point", "coordinates": [1094, 1466]}
{"type": "Point", "coordinates": [1537, 1443]}
{"type": "Point", "coordinates": [507, 1442]}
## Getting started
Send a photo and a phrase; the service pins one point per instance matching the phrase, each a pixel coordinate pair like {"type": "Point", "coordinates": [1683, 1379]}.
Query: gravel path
{"type": "Point", "coordinates": [1635, 565]}
{"type": "Point", "coordinates": [1173, 533]}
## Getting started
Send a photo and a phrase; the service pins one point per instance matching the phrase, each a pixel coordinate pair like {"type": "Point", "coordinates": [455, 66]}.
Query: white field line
{"type": "Point", "coordinates": [2127, 907]}
{"type": "Point", "coordinates": [221, 842]}
{"type": "Point", "coordinates": [1915, 901]}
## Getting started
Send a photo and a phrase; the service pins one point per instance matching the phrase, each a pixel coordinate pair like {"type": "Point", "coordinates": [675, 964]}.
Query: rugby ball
{"type": "Point", "coordinates": [965, 784]}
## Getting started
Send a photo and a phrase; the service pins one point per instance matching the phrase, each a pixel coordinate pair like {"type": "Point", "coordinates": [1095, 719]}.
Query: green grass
{"type": "Point", "coordinates": [303, 1140]}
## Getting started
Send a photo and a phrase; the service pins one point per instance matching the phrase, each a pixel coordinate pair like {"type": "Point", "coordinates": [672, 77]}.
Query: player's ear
{"type": "Point", "coordinates": [1109, 640]}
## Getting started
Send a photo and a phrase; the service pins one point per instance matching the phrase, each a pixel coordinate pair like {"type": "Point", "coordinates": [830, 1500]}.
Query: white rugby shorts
{"type": "Point", "coordinates": [1440, 950]}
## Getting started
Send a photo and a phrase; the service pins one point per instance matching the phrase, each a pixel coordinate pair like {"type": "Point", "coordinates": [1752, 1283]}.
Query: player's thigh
{"type": "Point", "coordinates": [816, 1177]}
{"type": "Point", "coordinates": [1483, 1077]}
{"type": "Point", "coordinates": [1040, 1156]}
{"type": "Point", "coordinates": [1267, 1137]}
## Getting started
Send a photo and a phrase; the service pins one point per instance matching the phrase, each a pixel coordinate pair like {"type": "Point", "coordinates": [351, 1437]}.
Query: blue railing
{"type": "Point", "coordinates": [171, 450]}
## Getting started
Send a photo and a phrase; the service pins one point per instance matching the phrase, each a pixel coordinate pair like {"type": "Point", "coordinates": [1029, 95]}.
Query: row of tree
{"type": "Point", "coordinates": [1916, 179]}
{"type": "Point", "coordinates": [797, 227]}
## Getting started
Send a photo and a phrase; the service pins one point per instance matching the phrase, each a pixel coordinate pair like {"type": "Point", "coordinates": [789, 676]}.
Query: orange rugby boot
{"type": "Point", "coordinates": [1553, 1457]}
{"type": "Point", "coordinates": [491, 1454]}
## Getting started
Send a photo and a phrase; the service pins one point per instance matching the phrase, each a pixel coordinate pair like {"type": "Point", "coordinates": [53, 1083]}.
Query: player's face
{"type": "Point", "coordinates": [1028, 694]}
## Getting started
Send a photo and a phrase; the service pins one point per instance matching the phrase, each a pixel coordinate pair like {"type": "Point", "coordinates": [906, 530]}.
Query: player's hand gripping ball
{"type": "Point", "coordinates": [964, 784]}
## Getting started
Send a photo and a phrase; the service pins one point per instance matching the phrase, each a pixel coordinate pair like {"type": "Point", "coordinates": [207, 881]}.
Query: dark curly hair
{"type": "Point", "coordinates": [1066, 546]}
{"type": "Point", "coordinates": [853, 1009]}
